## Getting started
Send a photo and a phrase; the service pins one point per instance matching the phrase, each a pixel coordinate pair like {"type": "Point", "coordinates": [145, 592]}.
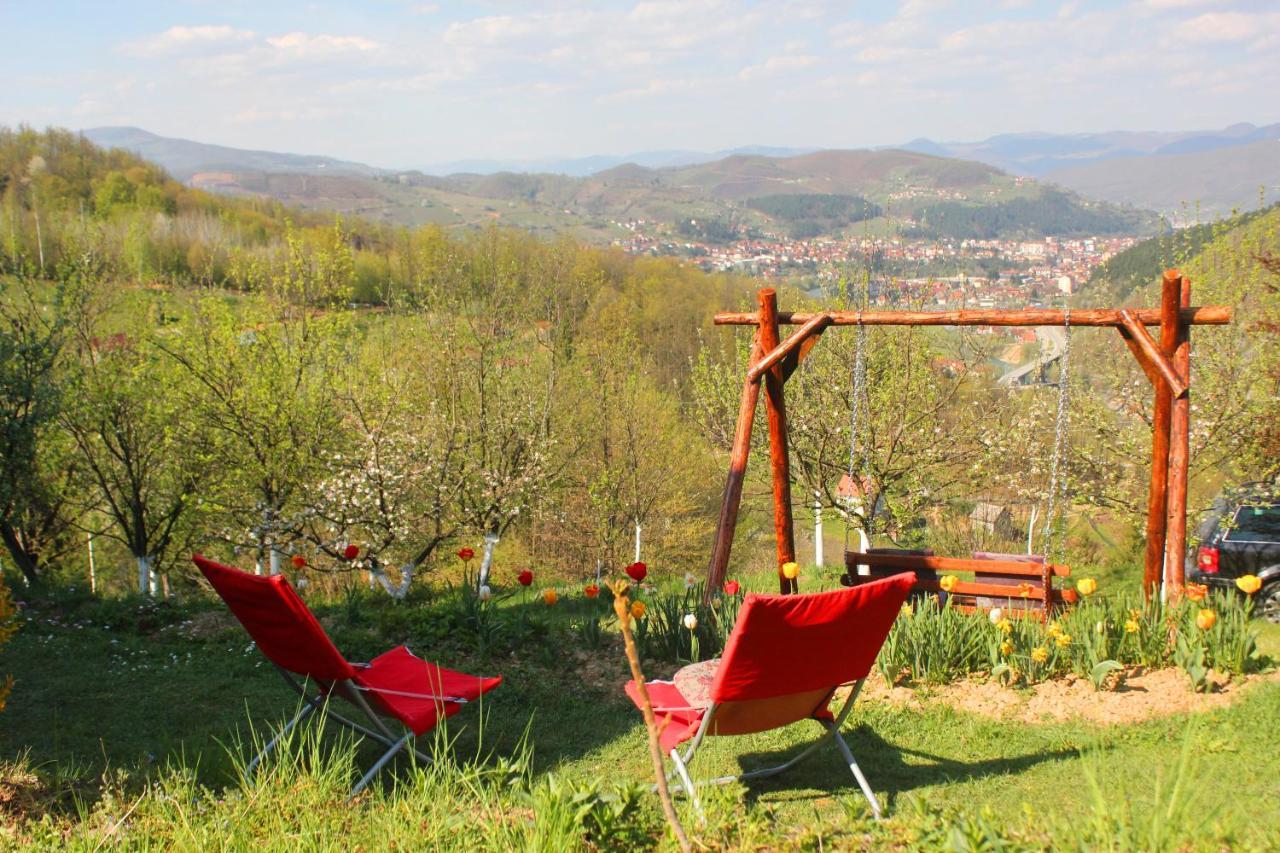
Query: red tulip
{"type": "Point", "coordinates": [351, 552]}
{"type": "Point", "coordinates": [591, 590]}
{"type": "Point", "coordinates": [466, 554]}
{"type": "Point", "coordinates": [731, 587]}
{"type": "Point", "coordinates": [525, 578]}
{"type": "Point", "coordinates": [298, 561]}
{"type": "Point", "coordinates": [637, 571]}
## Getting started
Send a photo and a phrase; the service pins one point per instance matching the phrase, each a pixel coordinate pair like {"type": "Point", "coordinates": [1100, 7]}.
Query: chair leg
{"type": "Point", "coordinates": [380, 763]}
{"type": "Point", "coordinates": [266, 750]}
{"type": "Point", "coordinates": [857, 771]}
{"type": "Point", "coordinates": [687, 783]}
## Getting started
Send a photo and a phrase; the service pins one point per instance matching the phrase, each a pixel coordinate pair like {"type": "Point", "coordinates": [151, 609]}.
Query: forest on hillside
{"type": "Point", "coordinates": [185, 372]}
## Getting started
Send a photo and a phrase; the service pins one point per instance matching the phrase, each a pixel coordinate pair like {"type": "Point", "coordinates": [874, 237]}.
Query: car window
{"type": "Point", "coordinates": [1255, 524]}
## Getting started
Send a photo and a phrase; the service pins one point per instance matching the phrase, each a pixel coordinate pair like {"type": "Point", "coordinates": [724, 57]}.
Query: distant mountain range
{"type": "Point", "coordinates": [1207, 171]}
{"type": "Point", "coordinates": [1044, 154]}
{"type": "Point", "coordinates": [185, 159]}
{"type": "Point", "coordinates": [806, 194]}
{"type": "Point", "coordinates": [1181, 174]}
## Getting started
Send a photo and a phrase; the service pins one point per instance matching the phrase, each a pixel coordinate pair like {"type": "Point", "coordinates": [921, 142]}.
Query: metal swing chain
{"type": "Point", "coordinates": [1057, 478]}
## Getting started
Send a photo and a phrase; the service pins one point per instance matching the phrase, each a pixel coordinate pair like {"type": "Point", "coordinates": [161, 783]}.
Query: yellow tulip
{"type": "Point", "coordinates": [906, 608]}
{"type": "Point", "coordinates": [790, 571]}
{"type": "Point", "coordinates": [637, 610]}
{"type": "Point", "coordinates": [948, 582]}
{"type": "Point", "coordinates": [1063, 640]}
{"type": "Point", "coordinates": [1039, 654]}
{"type": "Point", "coordinates": [1249, 584]}
{"type": "Point", "coordinates": [1006, 648]}
{"type": "Point", "coordinates": [1005, 626]}
{"type": "Point", "coordinates": [1206, 619]}
{"type": "Point", "coordinates": [1086, 586]}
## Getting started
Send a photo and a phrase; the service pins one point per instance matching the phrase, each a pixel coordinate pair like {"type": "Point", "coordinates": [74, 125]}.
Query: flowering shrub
{"type": "Point", "coordinates": [934, 643]}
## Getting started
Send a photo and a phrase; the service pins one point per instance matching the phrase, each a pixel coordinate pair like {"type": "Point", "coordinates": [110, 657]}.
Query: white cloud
{"type": "Point", "coordinates": [777, 64]}
{"type": "Point", "coordinates": [181, 38]}
{"type": "Point", "coordinates": [306, 46]}
{"type": "Point", "coordinates": [1214, 27]}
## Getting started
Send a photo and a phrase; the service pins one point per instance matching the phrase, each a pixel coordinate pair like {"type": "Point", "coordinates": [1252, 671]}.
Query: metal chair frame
{"type": "Point", "coordinates": [348, 690]}
{"type": "Point", "coordinates": [682, 762]}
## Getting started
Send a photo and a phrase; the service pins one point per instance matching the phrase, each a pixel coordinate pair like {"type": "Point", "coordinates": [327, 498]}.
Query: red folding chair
{"type": "Point", "coordinates": [395, 684]}
{"type": "Point", "coordinates": [782, 664]}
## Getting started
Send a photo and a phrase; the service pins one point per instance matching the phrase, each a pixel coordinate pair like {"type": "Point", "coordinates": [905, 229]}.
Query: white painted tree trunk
{"type": "Point", "coordinates": [144, 576]}
{"type": "Point", "coordinates": [819, 554]}
{"type": "Point", "coordinates": [396, 591]}
{"type": "Point", "coordinates": [275, 560]}
{"type": "Point", "coordinates": [637, 541]}
{"type": "Point", "coordinates": [93, 573]}
{"type": "Point", "coordinates": [486, 560]}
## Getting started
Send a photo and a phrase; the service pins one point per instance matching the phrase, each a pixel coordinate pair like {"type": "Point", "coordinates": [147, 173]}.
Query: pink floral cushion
{"type": "Point", "coordinates": [694, 682]}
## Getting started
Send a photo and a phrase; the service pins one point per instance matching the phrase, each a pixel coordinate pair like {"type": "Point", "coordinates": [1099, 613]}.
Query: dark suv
{"type": "Point", "coordinates": [1241, 536]}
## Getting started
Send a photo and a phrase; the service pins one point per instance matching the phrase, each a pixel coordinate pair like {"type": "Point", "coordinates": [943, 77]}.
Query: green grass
{"type": "Point", "coordinates": [140, 718]}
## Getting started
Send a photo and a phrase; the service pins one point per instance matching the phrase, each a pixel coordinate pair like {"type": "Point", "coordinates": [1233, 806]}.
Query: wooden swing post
{"type": "Point", "coordinates": [1167, 365]}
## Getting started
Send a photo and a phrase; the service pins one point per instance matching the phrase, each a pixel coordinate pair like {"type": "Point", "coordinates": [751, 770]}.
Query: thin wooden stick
{"type": "Point", "coordinates": [622, 607]}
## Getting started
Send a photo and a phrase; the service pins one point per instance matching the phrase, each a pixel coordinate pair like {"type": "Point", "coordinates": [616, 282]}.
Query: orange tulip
{"type": "Point", "coordinates": [1206, 619]}
{"type": "Point", "coordinates": [1196, 591]}
{"type": "Point", "coordinates": [637, 610]}
{"type": "Point", "coordinates": [550, 596]}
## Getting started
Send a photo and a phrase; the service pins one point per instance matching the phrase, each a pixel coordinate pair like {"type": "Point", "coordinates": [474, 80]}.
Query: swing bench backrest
{"type": "Point", "coordinates": [1020, 584]}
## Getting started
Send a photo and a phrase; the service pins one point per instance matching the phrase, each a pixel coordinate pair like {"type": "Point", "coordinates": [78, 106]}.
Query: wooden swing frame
{"type": "Point", "coordinates": [1166, 362]}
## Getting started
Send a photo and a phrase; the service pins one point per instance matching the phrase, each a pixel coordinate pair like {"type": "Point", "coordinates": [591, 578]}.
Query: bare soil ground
{"type": "Point", "coordinates": [1140, 695]}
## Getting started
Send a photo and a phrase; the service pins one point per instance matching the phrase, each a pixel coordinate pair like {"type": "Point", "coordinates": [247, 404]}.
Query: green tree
{"type": "Point", "coordinates": [35, 471]}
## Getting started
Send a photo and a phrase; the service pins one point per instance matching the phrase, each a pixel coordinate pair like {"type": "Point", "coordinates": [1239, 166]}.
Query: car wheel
{"type": "Point", "coordinates": [1268, 603]}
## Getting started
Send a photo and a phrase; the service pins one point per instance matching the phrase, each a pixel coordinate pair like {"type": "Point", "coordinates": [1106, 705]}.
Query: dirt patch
{"type": "Point", "coordinates": [1141, 695]}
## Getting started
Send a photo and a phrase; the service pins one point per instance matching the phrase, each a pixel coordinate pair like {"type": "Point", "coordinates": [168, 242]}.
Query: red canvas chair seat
{"type": "Point", "coordinates": [397, 683]}
{"type": "Point", "coordinates": [783, 663]}
{"type": "Point", "coordinates": [398, 679]}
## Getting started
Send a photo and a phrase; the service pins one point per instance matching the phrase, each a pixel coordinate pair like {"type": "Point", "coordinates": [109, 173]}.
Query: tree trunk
{"type": "Point", "coordinates": [275, 560]}
{"type": "Point", "coordinates": [145, 581]}
{"type": "Point", "coordinates": [26, 562]}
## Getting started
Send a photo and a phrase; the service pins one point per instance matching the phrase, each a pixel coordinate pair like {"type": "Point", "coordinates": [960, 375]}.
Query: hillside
{"type": "Point", "coordinates": [1184, 186]}
{"type": "Point", "coordinates": [897, 190]}
{"type": "Point", "coordinates": [1039, 154]}
{"type": "Point", "coordinates": [1132, 269]}
{"type": "Point", "coordinates": [184, 158]}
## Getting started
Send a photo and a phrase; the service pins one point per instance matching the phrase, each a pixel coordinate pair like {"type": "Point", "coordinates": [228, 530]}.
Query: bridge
{"type": "Point", "coordinates": [1053, 341]}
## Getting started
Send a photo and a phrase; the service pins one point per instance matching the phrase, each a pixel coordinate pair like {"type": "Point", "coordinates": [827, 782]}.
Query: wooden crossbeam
{"type": "Point", "coordinates": [1204, 315]}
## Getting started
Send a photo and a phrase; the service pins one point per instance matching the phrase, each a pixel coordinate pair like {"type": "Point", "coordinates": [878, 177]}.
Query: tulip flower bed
{"type": "Point", "coordinates": [934, 643]}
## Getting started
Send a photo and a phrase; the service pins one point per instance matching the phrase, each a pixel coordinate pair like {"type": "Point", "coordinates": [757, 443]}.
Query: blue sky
{"type": "Point", "coordinates": [411, 83]}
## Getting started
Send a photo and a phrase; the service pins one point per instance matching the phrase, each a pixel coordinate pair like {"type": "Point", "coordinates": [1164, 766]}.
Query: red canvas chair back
{"type": "Point", "coordinates": [788, 653]}
{"type": "Point", "coordinates": [286, 631]}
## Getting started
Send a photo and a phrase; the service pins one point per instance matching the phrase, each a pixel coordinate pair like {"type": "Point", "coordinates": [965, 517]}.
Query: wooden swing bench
{"type": "Point", "coordinates": [1019, 585]}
